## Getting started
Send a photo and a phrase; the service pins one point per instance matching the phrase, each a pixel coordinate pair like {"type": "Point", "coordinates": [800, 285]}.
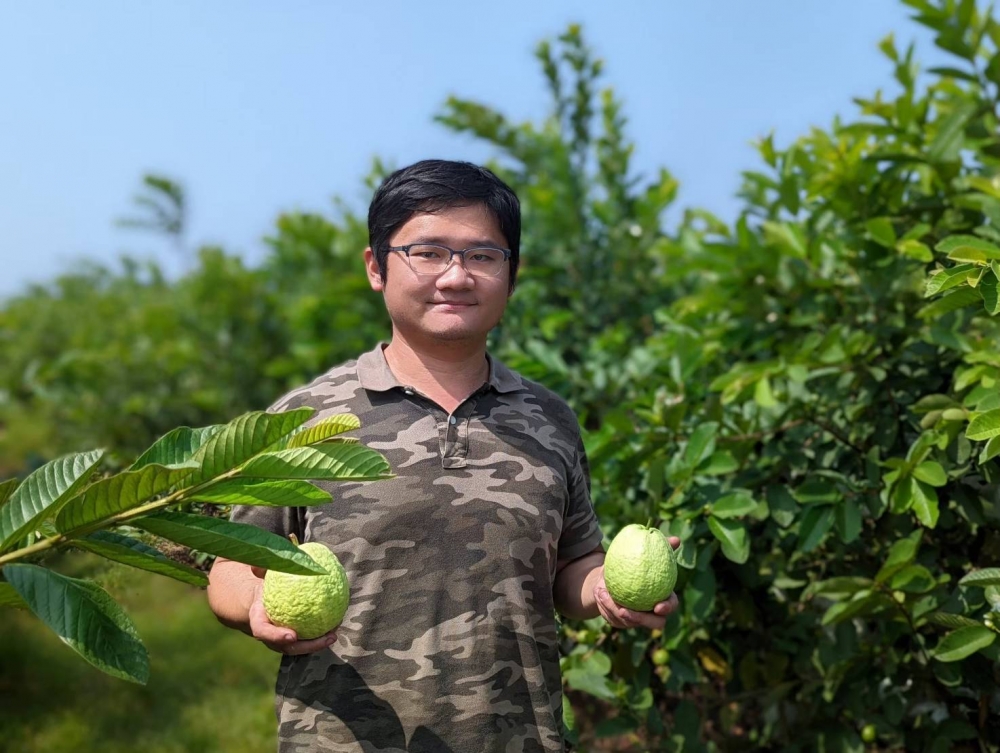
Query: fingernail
{"type": "Point", "coordinates": [288, 636]}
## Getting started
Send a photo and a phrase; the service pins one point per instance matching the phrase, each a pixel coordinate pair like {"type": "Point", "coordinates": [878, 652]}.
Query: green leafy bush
{"type": "Point", "coordinates": [817, 415]}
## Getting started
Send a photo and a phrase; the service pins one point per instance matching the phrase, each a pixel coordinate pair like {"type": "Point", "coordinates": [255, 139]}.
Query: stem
{"type": "Point", "coordinates": [909, 621]}
{"type": "Point", "coordinates": [61, 539]}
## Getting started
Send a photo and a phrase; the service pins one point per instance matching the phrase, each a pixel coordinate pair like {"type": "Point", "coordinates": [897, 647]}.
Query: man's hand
{"type": "Point", "coordinates": [280, 639]}
{"type": "Point", "coordinates": [623, 617]}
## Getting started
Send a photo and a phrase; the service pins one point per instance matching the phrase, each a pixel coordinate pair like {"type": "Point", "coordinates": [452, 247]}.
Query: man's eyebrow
{"type": "Point", "coordinates": [438, 240]}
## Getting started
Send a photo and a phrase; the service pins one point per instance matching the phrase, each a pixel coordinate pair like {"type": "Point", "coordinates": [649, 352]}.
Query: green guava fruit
{"type": "Point", "coordinates": [311, 605]}
{"type": "Point", "coordinates": [639, 569]}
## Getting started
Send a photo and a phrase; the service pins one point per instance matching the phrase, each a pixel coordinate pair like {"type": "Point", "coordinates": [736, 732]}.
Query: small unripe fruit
{"type": "Point", "coordinates": [660, 657]}
{"type": "Point", "coordinates": [868, 733]}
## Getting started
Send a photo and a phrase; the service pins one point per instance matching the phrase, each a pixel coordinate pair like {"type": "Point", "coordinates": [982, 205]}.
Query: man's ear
{"type": "Point", "coordinates": [371, 268]}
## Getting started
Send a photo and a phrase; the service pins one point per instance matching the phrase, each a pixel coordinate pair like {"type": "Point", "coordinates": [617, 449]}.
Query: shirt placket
{"type": "Point", "coordinates": [455, 436]}
{"type": "Point", "coordinates": [453, 430]}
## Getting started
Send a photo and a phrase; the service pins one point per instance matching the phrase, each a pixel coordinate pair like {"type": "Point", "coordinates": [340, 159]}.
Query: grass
{"type": "Point", "coordinates": [211, 689]}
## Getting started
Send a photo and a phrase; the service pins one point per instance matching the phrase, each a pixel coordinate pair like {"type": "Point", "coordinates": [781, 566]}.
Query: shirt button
{"type": "Point", "coordinates": [453, 420]}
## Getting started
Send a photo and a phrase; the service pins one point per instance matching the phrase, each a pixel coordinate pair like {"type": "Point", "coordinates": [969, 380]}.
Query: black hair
{"type": "Point", "coordinates": [432, 185]}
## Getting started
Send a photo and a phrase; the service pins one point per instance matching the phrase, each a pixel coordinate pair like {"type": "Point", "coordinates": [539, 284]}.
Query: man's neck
{"type": "Point", "coordinates": [446, 372]}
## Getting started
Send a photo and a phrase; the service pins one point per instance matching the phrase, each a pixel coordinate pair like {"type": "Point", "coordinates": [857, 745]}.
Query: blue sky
{"type": "Point", "coordinates": [262, 107]}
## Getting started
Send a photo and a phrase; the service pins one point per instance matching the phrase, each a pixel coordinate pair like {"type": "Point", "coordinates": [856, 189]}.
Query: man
{"type": "Point", "coordinates": [458, 564]}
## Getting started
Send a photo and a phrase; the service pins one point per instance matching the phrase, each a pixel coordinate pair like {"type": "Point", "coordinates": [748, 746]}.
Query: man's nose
{"type": "Point", "coordinates": [455, 274]}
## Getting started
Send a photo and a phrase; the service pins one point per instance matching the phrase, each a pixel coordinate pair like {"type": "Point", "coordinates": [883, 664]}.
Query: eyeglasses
{"type": "Point", "coordinates": [431, 259]}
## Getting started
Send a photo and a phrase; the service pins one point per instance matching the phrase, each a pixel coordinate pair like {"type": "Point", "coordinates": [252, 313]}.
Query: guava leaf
{"type": "Point", "coordinates": [837, 587]}
{"type": "Point", "coordinates": [733, 505]}
{"type": "Point", "coordinates": [43, 493]}
{"type": "Point", "coordinates": [984, 426]}
{"type": "Point", "coordinates": [847, 517]}
{"type": "Point", "coordinates": [733, 537]}
{"type": "Point", "coordinates": [949, 278]}
{"type": "Point", "coordinates": [816, 523]}
{"type": "Point", "coordinates": [968, 248]}
{"type": "Point", "coordinates": [925, 504]}
{"type": "Point", "coordinates": [176, 447]}
{"type": "Point", "coordinates": [862, 603]}
{"type": "Point", "coordinates": [338, 462]}
{"type": "Point", "coordinates": [588, 682]}
{"type": "Point", "coordinates": [701, 444]}
{"type": "Point", "coordinates": [245, 491]}
{"type": "Point", "coordinates": [963, 642]}
{"type": "Point", "coordinates": [234, 541]}
{"type": "Point", "coordinates": [719, 464]}
{"type": "Point", "coordinates": [948, 620]}
{"type": "Point", "coordinates": [989, 576]}
{"type": "Point", "coordinates": [243, 438]}
{"type": "Point", "coordinates": [86, 618]}
{"type": "Point", "coordinates": [123, 491]}
{"type": "Point", "coordinates": [324, 429]}
{"type": "Point", "coordinates": [931, 472]}
{"type": "Point", "coordinates": [990, 451]}
{"type": "Point", "coordinates": [130, 551]}
{"type": "Point", "coordinates": [913, 579]}
{"type": "Point", "coordinates": [901, 554]}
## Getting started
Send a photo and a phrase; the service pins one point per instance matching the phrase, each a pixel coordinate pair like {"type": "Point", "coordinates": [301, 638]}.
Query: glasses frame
{"type": "Point", "coordinates": [405, 250]}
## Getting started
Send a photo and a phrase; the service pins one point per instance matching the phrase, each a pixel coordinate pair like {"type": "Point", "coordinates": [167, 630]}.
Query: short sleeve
{"type": "Point", "coordinates": [279, 520]}
{"type": "Point", "coordinates": [581, 533]}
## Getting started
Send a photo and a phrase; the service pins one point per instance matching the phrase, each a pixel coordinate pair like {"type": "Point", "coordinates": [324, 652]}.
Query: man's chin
{"type": "Point", "coordinates": [455, 335]}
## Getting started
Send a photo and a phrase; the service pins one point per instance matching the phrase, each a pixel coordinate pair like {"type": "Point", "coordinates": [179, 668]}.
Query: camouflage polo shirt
{"type": "Point", "coordinates": [450, 640]}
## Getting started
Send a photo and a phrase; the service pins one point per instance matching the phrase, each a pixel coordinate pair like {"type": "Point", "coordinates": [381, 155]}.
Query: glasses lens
{"type": "Point", "coordinates": [428, 259]}
{"type": "Point", "coordinates": [484, 261]}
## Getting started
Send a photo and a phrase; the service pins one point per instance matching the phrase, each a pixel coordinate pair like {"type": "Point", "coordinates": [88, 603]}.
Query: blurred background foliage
{"type": "Point", "coordinates": [808, 396]}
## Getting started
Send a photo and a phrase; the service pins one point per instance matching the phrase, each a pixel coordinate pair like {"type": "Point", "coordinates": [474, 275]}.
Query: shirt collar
{"type": "Point", "coordinates": [375, 375]}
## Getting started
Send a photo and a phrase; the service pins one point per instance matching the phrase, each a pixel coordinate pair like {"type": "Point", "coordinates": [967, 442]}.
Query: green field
{"type": "Point", "coordinates": [211, 688]}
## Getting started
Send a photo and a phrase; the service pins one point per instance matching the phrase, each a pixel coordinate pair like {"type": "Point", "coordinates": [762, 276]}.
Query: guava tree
{"type": "Point", "coordinates": [809, 397]}
{"type": "Point", "coordinates": [256, 459]}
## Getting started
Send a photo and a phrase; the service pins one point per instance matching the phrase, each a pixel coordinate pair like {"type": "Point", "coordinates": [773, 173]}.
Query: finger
{"type": "Point", "coordinates": [664, 608]}
{"type": "Point", "coordinates": [621, 615]}
{"type": "Point", "coordinates": [258, 572]}
{"type": "Point", "coordinates": [608, 609]}
{"type": "Point", "coordinates": [264, 630]}
{"type": "Point", "coordinates": [674, 542]}
{"type": "Point", "coordinates": [311, 646]}
{"type": "Point", "coordinates": [605, 601]}
{"type": "Point", "coordinates": [613, 620]}
{"type": "Point", "coordinates": [647, 620]}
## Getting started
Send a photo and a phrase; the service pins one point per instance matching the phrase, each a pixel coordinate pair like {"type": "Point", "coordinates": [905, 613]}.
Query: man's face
{"type": "Point", "coordinates": [454, 305]}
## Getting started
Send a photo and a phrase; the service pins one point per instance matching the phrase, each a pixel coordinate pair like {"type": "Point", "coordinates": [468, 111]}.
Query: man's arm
{"type": "Point", "coordinates": [232, 590]}
{"type": "Point", "coordinates": [580, 593]}
{"type": "Point", "coordinates": [235, 597]}
{"type": "Point", "coordinates": [574, 586]}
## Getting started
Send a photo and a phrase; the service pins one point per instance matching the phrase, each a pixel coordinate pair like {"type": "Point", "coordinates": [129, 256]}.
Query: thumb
{"type": "Point", "coordinates": [258, 571]}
